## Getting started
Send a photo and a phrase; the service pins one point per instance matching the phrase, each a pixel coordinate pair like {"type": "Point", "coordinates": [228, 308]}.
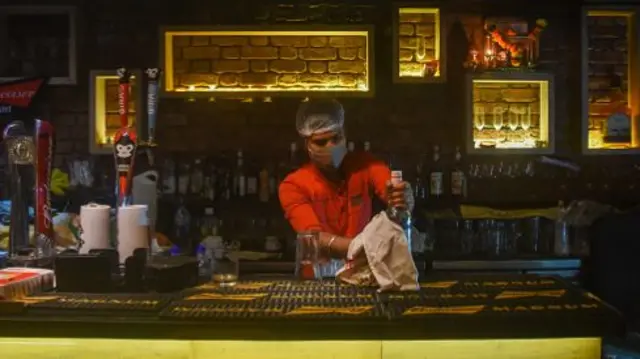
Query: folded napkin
{"type": "Point", "coordinates": [380, 255]}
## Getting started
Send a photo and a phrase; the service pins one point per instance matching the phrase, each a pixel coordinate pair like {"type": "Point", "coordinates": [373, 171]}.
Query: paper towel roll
{"type": "Point", "coordinates": [96, 227]}
{"type": "Point", "coordinates": [133, 226]}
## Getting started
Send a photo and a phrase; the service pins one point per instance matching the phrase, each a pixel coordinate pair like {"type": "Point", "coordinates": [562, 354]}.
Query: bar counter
{"type": "Point", "coordinates": [511, 316]}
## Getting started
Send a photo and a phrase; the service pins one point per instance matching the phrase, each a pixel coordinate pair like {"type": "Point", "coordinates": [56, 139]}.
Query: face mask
{"type": "Point", "coordinates": [329, 157]}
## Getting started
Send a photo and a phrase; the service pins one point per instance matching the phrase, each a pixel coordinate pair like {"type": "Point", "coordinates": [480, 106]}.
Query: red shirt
{"type": "Point", "coordinates": [311, 202]}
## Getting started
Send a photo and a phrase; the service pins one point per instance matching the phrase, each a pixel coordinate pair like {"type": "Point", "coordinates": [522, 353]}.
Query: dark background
{"type": "Point", "coordinates": [404, 119]}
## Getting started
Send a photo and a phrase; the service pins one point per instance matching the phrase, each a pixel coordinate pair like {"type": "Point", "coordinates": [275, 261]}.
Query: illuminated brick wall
{"type": "Point", "coordinates": [502, 97]}
{"type": "Point", "coordinates": [416, 42]}
{"type": "Point", "coordinates": [223, 63]}
{"type": "Point", "coordinates": [607, 59]}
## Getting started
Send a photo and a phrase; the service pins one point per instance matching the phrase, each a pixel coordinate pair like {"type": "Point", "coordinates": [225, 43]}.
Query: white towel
{"type": "Point", "coordinates": [386, 260]}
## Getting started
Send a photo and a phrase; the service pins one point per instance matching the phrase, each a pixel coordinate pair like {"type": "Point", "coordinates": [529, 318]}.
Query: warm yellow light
{"type": "Point", "coordinates": [496, 101]}
{"type": "Point", "coordinates": [70, 348]}
{"type": "Point", "coordinates": [416, 66]}
{"type": "Point", "coordinates": [596, 135]}
{"type": "Point", "coordinates": [332, 78]}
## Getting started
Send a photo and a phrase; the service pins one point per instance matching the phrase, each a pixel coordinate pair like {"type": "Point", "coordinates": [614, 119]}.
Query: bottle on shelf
{"type": "Point", "coordinates": [419, 186]}
{"type": "Point", "coordinates": [239, 178]}
{"type": "Point", "coordinates": [436, 175]}
{"type": "Point", "coordinates": [351, 146]}
{"type": "Point", "coordinates": [252, 180]}
{"type": "Point", "coordinates": [196, 180]}
{"type": "Point", "coordinates": [458, 177]}
{"type": "Point", "coordinates": [264, 190]}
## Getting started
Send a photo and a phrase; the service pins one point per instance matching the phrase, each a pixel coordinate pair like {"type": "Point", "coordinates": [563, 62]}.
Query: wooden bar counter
{"type": "Point", "coordinates": [454, 317]}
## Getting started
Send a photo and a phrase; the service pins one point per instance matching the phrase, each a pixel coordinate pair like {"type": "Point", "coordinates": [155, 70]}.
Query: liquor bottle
{"type": "Point", "coordinates": [419, 186]}
{"type": "Point", "coordinates": [436, 175]}
{"type": "Point", "coordinates": [264, 190]}
{"type": "Point", "coordinates": [196, 181]}
{"type": "Point", "coordinates": [239, 179]}
{"type": "Point", "coordinates": [294, 157]}
{"type": "Point", "coordinates": [367, 146]}
{"type": "Point", "coordinates": [252, 180]}
{"type": "Point", "coordinates": [402, 216]}
{"type": "Point", "coordinates": [351, 146]}
{"type": "Point", "coordinates": [184, 175]}
{"type": "Point", "coordinates": [458, 178]}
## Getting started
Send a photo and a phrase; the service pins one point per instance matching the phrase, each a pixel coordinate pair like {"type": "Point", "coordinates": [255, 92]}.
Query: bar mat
{"type": "Point", "coordinates": [104, 303]}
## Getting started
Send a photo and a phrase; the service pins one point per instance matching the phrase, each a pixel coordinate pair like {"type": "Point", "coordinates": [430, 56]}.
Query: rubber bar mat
{"type": "Point", "coordinates": [150, 303]}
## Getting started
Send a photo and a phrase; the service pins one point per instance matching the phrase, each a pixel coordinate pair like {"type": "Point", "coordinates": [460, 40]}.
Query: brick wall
{"type": "Point", "coordinates": [607, 59]}
{"type": "Point", "coordinates": [402, 118]}
{"type": "Point", "coordinates": [501, 99]}
{"type": "Point", "coordinates": [416, 42]}
{"type": "Point", "coordinates": [253, 62]}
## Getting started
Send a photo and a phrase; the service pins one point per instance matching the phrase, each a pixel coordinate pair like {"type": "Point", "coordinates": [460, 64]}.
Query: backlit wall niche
{"type": "Point", "coordinates": [418, 45]}
{"type": "Point", "coordinates": [610, 84]}
{"type": "Point", "coordinates": [229, 62]}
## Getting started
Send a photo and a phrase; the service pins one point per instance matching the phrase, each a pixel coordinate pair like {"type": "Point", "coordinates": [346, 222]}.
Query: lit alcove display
{"type": "Point", "coordinates": [227, 62]}
{"type": "Point", "coordinates": [417, 45]}
{"type": "Point", "coordinates": [610, 105]}
{"type": "Point", "coordinates": [510, 112]}
{"type": "Point", "coordinates": [104, 118]}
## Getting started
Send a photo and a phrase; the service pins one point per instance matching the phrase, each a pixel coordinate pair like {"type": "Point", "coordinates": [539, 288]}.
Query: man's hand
{"type": "Point", "coordinates": [400, 196]}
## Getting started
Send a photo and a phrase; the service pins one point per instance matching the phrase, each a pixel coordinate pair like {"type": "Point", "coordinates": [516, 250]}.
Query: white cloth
{"type": "Point", "coordinates": [386, 259]}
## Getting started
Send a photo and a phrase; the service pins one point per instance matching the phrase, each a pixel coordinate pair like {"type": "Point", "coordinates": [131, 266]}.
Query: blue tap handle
{"type": "Point", "coordinates": [153, 85]}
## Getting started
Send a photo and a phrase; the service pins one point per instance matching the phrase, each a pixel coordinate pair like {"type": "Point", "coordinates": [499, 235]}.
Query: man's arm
{"type": "Point", "coordinates": [300, 214]}
{"type": "Point", "coordinates": [380, 175]}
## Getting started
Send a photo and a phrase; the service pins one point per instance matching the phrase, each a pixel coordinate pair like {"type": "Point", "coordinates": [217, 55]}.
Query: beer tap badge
{"type": "Point", "coordinates": [19, 93]}
{"type": "Point", "coordinates": [153, 84]}
{"type": "Point", "coordinates": [19, 144]}
{"type": "Point", "coordinates": [124, 78]}
{"type": "Point", "coordinates": [43, 161]}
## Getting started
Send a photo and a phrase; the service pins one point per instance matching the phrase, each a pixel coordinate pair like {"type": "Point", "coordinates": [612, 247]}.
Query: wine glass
{"type": "Point", "coordinates": [498, 118]}
{"type": "Point", "coordinates": [525, 122]}
{"type": "Point", "coordinates": [514, 117]}
{"type": "Point", "coordinates": [478, 117]}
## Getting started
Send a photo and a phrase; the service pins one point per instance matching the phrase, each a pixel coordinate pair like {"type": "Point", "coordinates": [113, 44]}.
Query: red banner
{"type": "Point", "coordinates": [20, 93]}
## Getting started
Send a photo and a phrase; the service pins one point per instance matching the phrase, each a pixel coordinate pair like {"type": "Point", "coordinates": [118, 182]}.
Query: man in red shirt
{"type": "Point", "coordinates": [333, 193]}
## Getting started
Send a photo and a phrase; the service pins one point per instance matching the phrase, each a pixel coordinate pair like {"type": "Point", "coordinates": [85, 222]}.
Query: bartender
{"type": "Point", "coordinates": [333, 193]}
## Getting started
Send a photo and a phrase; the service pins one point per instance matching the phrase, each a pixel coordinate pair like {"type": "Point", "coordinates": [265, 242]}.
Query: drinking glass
{"type": "Point", "coordinates": [525, 122]}
{"type": "Point", "coordinates": [498, 118]}
{"type": "Point", "coordinates": [307, 256]}
{"type": "Point", "coordinates": [225, 270]}
{"type": "Point", "coordinates": [514, 118]}
{"type": "Point", "coordinates": [479, 117]}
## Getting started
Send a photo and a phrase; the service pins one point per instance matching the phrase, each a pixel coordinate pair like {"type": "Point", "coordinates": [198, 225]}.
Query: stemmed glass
{"type": "Point", "coordinates": [525, 122]}
{"type": "Point", "coordinates": [478, 117]}
{"type": "Point", "coordinates": [514, 117]}
{"type": "Point", "coordinates": [498, 118]}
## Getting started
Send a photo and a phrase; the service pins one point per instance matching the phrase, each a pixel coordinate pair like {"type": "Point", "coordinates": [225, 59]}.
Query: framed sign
{"type": "Point", "coordinates": [48, 49]}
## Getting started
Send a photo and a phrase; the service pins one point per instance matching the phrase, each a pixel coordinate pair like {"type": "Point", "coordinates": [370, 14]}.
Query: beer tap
{"type": "Point", "coordinates": [20, 150]}
{"type": "Point", "coordinates": [153, 84]}
{"type": "Point", "coordinates": [125, 143]}
{"type": "Point", "coordinates": [44, 234]}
